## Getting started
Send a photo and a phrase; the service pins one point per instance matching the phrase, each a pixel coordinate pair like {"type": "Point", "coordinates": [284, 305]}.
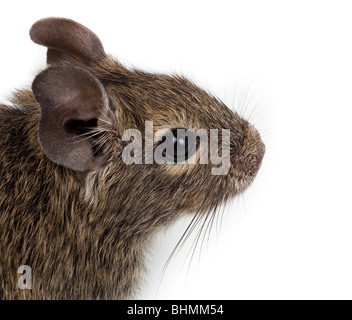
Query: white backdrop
{"type": "Point", "coordinates": [289, 65]}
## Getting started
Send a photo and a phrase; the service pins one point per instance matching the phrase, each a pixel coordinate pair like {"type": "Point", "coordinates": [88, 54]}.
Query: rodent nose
{"type": "Point", "coordinates": [252, 152]}
{"type": "Point", "coordinates": [253, 143]}
{"type": "Point", "coordinates": [261, 152]}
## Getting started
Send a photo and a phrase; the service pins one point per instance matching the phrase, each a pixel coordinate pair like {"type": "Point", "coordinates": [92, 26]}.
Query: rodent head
{"type": "Point", "coordinates": [89, 100]}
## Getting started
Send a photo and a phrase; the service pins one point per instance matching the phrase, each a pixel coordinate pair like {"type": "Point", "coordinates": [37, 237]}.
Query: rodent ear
{"type": "Point", "coordinates": [67, 41]}
{"type": "Point", "coordinates": [74, 105]}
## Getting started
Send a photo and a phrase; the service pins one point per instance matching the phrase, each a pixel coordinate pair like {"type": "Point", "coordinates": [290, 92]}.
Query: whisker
{"type": "Point", "coordinates": [208, 230]}
{"type": "Point", "coordinates": [88, 133]}
{"type": "Point", "coordinates": [243, 101]}
{"type": "Point", "coordinates": [205, 219]}
{"type": "Point", "coordinates": [189, 230]}
{"type": "Point", "coordinates": [88, 136]}
{"type": "Point", "coordinates": [194, 246]}
{"type": "Point", "coordinates": [254, 106]}
{"type": "Point", "coordinates": [213, 213]}
{"type": "Point", "coordinates": [219, 216]}
{"type": "Point", "coordinates": [263, 135]}
{"type": "Point", "coordinates": [103, 120]}
{"type": "Point", "coordinates": [201, 235]}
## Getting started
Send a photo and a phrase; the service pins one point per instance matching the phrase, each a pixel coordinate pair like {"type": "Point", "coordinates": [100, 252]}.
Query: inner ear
{"type": "Point", "coordinates": [88, 130]}
{"type": "Point", "coordinates": [80, 127]}
{"type": "Point", "coordinates": [73, 103]}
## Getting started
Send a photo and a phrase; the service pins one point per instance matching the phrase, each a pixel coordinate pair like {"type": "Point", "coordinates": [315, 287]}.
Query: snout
{"type": "Point", "coordinates": [249, 159]}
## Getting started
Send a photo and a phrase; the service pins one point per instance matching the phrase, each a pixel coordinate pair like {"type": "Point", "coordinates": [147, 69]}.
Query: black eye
{"type": "Point", "coordinates": [184, 145]}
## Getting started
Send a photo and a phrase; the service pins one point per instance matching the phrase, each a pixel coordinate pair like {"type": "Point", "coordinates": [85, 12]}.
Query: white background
{"type": "Point", "coordinates": [289, 236]}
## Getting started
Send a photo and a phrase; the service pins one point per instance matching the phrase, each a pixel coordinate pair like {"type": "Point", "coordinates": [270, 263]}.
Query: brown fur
{"type": "Point", "coordinates": [84, 233]}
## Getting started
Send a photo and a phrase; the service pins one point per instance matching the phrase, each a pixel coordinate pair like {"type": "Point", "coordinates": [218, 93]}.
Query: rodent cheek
{"type": "Point", "coordinates": [193, 202]}
{"type": "Point", "coordinates": [178, 168]}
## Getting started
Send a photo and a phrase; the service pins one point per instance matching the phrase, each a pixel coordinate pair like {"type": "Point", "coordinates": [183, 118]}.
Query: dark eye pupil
{"type": "Point", "coordinates": [180, 147]}
{"type": "Point", "coordinates": [184, 145]}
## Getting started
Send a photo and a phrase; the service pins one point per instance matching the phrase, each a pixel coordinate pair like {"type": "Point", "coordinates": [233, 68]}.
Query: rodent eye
{"type": "Point", "coordinates": [184, 145]}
